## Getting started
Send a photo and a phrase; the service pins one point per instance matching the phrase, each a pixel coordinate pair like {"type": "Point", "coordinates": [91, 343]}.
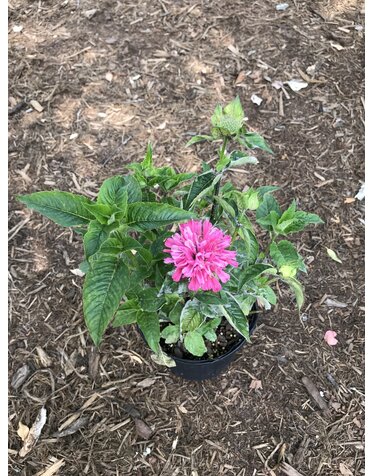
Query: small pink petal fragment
{"type": "Point", "coordinates": [330, 337]}
{"type": "Point", "coordinates": [199, 253]}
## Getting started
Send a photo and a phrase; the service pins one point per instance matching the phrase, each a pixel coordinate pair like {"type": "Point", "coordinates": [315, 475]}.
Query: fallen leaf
{"type": "Point", "coordinates": [307, 78]}
{"type": "Point", "coordinates": [52, 469]}
{"type": "Point", "coordinates": [44, 358]}
{"type": "Point", "coordinates": [240, 78]}
{"type": "Point", "coordinates": [330, 337]}
{"type": "Point", "coordinates": [256, 99]}
{"type": "Point", "coordinates": [90, 13]}
{"type": "Point", "coordinates": [20, 376]}
{"type": "Point", "coordinates": [337, 46]}
{"type": "Point", "coordinates": [349, 200]}
{"type": "Point", "coordinates": [277, 84]}
{"type": "Point", "coordinates": [143, 430]}
{"type": "Point", "coordinates": [73, 136]}
{"type": "Point", "coordinates": [333, 255]}
{"type": "Point", "coordinates": [362, 193]}
{"type": "Point", "coordinates": [36, 105]}
{"type": "Point", "coordinates": [109, 76]}
{"type": "Point", "coordinates": [344, 470]}
{"type": "Point", "coordinates": [281, 7]}
{"type": "Point", "coordinates": [77, 272]}
{"type": "Point", "coordinates": [73, 428]}
{"type": "Point", "coordinates": [297, 84]}
{"type": "Point", "coordinates": [147, 382]}
{"type": "Point", "coordinates": [334, 303]}
{"type": "Point", "coordinates": [162, 125]}
{"type": "Point", "coordinates": [34, 433]}
{"type": "Point", "coordinates": [23, 431]}
{"type": "Point", "coordinates": [256, 384]}
{"type": "Point", "coordinates": [17, 28]}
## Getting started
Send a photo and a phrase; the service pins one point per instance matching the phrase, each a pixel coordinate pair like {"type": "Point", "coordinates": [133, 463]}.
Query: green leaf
{"type": "Point", "coordinates": [149, 215]}
{"type": "Point", "coordinates": [262, 191]}
{"type": "Point", "coordinates": [148, 162]}
{"type": "Point", "coordinates": [296, 287]}
{"type": "Point", "coordinates": [114, 191]}
{"type": "Point", "coordinates": [149, 301]}
{"type": "Point", "coordinates": [241, 158]}
{"type": "Point", "coordinates": [223, 162]}
{"type": "Point", "coordinates": [190, 317]}
{"type": "Point", "coordinates": [94, 237]}
{"type": "Point", "coordinates": [149, 324]}
{"type": "Point", "coordinates": [208, 298]}
{"type": "Point", "coordinates": [225, 206]}
{"type": "Point", "coordinates": [253, 272]}
{"type": "Point", "coordinates": [293, 221]}
{"type": "Point", "coordinates": [263, 212]}
{"type": "Point", "coordinates": [247, 248]}
{"type": "Point", "coordinates": [127, 313]}
{"type": "Point", "coordinates": [284, 254]}
{"type": "Point", "coordinates": [255, 141]}
{"type": "Point", "coordinates": [201, 182]}
{"type": "Point", "coordinates": [194, 343]}
{"type": "Point", "coordinates": [332, 254]}
{"type": "Point", "coordinates": [196, 139]}
{"type": "Point", "coordinates": [162, 358]}
{"type": "Point", "coordinates": [235, 316]}
{"type": "Point", "coordinates": [101, 212]}
{"type": "Point", "coordinates": [104, 286]}
{"type": "Point", "coordinates": [171, 334]}
{"type": "Point", "coordinates": [116, 245]}
{"type": "Point", "coordinates": [235, 109]}
{"type": "Point", "coordinates": [64, 208]}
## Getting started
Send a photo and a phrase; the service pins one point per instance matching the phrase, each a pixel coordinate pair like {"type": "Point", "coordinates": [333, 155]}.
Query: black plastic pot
{"type": "Point", "coordinates": [209, 368]}
{"type": "Point", "coordinates": [198, 370]}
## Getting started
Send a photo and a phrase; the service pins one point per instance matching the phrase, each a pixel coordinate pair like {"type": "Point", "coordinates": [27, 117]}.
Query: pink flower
{"type": "Point", "coordinates": [330, 337]}
{"type": "Point", "coordinates": [199, 253]}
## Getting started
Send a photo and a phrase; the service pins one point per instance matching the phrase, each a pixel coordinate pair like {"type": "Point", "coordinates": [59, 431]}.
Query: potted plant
{"type": "Point", "coordinates": [177, 254]}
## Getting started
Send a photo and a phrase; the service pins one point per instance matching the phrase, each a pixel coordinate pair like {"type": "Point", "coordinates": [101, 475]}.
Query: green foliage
{"type": "Point", "coordinates": [104, 286]}
{"type": "Point", "coordinates": [124, 230]}
{"type": "Point", "coordinates": [64, 208]}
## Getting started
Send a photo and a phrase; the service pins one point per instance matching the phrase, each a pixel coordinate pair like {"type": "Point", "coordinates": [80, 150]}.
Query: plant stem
{"type": "Point", "coordinates": [217, 186]}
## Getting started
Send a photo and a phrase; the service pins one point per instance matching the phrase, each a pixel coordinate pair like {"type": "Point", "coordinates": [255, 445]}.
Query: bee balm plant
{"type": "Point", "coordinates": [177, 253]}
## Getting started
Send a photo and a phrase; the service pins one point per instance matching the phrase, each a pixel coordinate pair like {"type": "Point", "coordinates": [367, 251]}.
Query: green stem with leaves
{"type": "Point", "coordinates": [217, 186]}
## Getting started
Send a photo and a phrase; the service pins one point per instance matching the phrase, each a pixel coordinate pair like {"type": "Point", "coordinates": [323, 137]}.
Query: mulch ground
{"type": "Point", "coordinates": [110, 80]}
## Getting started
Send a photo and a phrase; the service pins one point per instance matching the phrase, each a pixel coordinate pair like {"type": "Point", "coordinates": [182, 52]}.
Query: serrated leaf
{"type": "Point", "coordinates": [199, 185]}
{"type": "Point", "coordinates": [127, 313]}
{"type": "Point", "coordinates": [226, 207]}
{"type": "Point", "coordinates": [247, 248]}
{"type": "Point", "coordinates": [332, 254]}
{"type": "Point", "coordinates": [150, 215]}
{"type": "Point", "coordinates": [64, 208]}
{"type": "Point", "coordinates": [196, 139]}
{"type": "Point", "coordinates": [101, 212]}
{"type": "Point", "coordinates": [149, 324]}
{"type": "Point", "coordinates": [104, 286]}
{"type": "Point", "coordinates": [94, 237]}
{"type": "Point", "coordinates": [194, 343]}
{"type": "Point", "coordinates": [263, 213]}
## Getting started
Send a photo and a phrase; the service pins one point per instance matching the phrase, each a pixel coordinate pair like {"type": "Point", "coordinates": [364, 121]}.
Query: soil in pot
{"type": "Point", "coordinates": [227, 338]}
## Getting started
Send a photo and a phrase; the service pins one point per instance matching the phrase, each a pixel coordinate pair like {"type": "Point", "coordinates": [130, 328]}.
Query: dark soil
{"type": "Point", "coordinates": [110, 81]}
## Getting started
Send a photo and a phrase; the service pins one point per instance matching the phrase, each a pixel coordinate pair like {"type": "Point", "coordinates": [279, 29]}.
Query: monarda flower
{"type": "Point", "coordinates": [199, 253]}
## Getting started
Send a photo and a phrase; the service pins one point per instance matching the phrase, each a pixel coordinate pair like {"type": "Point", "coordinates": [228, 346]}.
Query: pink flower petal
{"type": "Point", "coordinates": [199, 253]}
{"type": "Point", "coordinates": [330, 337]}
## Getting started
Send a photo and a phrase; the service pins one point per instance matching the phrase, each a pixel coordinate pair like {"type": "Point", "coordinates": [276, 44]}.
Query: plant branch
{"type": "Point", "coordinates": [217, 186]}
